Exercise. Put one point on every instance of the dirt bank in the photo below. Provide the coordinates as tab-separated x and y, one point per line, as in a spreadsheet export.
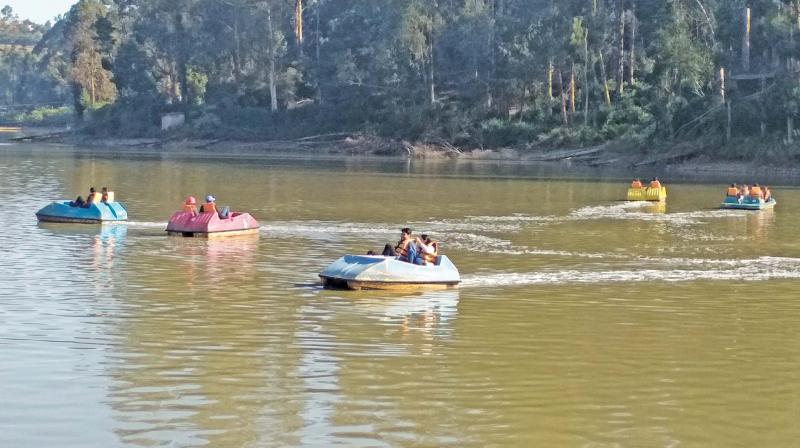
684	160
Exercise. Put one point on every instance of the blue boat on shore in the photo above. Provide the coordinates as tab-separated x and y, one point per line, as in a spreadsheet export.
96	212
748	203
388	273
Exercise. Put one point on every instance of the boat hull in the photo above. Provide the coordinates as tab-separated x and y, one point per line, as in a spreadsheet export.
210	225
387	273
731	203
378	286
96	213
647	194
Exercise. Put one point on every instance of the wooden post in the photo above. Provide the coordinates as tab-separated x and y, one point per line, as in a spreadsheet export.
746	43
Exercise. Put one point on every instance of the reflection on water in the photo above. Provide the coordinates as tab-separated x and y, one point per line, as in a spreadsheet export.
583	320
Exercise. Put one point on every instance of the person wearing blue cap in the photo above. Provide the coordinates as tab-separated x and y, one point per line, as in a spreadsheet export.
211	207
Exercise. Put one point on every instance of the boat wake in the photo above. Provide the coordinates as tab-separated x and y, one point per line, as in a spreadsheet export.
647	211
146	225
761	269
449	233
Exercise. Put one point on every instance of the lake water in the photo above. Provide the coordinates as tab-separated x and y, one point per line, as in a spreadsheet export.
581	321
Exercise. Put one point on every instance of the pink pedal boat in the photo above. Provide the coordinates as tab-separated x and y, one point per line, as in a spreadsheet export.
210	225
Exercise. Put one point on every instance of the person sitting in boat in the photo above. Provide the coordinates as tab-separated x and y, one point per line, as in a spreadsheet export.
91	198
406	249
388	251
637	183
399	249
429	249
756	192
211	207
744	191
190	205
655	183
733	191
104	195
767	194
78	202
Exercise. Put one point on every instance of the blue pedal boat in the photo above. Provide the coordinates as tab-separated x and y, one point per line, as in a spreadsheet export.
748	203
97	212
387	273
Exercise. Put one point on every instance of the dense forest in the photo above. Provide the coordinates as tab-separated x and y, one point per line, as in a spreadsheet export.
480	73
22	86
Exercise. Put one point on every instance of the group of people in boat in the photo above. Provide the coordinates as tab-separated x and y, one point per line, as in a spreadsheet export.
637	183
756	191
80	203
420	250
210	206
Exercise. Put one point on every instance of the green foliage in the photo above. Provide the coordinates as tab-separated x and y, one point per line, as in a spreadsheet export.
16	32
501	133
198	82
40	116
470	72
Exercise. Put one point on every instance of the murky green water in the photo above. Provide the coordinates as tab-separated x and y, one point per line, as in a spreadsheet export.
582	321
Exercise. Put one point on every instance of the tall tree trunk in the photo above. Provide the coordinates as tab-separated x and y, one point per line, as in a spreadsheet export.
746	42
318	66
92	81
621	71
491	71
632	52
762	108
273	90
606	90
572	90
586	64
183	59
432	79
562	92
728	124
237	53
298	25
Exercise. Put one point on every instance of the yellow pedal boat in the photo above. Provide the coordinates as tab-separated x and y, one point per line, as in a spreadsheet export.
647	194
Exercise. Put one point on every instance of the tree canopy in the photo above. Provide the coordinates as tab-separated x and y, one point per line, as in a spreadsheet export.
471	72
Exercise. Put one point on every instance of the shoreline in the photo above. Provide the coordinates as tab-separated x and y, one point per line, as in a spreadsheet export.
600	158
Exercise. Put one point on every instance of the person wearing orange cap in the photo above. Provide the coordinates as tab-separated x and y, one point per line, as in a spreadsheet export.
190	206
